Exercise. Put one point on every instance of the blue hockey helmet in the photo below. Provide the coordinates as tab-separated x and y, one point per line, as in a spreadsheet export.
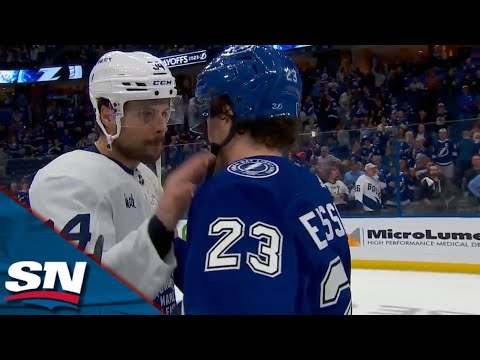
261	82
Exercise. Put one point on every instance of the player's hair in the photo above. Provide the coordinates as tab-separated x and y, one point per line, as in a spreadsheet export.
276	133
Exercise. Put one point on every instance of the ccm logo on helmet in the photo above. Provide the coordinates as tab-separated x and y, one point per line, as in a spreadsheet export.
29	285
163	82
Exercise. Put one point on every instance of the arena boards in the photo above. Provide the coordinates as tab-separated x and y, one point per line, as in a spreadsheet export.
432	244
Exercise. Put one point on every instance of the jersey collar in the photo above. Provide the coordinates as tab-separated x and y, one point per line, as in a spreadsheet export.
94	149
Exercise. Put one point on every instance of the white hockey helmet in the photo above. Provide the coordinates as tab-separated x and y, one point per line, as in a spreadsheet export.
125	76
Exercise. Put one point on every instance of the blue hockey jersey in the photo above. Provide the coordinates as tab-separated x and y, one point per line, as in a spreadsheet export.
444	152
404	186
264	237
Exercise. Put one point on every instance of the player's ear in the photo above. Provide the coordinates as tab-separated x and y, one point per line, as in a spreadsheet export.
228	112
107	119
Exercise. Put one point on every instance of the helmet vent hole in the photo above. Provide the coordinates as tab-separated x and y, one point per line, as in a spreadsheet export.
171	92
141	84
156	93
126	83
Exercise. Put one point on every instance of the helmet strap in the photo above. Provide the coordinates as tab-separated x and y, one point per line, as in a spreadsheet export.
109	142
109	137
215	148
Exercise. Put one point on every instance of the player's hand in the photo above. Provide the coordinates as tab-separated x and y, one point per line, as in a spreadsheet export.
180	186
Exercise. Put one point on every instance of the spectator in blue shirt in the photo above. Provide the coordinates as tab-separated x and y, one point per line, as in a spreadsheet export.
466	149
474	186
351	176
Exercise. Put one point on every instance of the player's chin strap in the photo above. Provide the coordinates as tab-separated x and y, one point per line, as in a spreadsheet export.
109	137
215	148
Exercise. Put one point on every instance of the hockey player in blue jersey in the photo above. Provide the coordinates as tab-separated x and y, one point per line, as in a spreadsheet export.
263	235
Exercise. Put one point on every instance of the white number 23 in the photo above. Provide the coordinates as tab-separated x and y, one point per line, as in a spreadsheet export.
265	262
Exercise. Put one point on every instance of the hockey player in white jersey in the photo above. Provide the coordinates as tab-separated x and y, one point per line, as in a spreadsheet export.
105	198
368	189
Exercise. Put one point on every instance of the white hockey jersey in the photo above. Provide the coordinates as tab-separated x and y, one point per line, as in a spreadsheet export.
368	191
88	195
338	188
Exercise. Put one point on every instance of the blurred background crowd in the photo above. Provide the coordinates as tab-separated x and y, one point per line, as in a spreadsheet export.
407	116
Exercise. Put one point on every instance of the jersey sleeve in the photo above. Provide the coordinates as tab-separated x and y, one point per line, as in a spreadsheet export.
181	248
79	213
241	257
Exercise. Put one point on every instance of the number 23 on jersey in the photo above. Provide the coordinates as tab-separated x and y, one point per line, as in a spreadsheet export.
267	261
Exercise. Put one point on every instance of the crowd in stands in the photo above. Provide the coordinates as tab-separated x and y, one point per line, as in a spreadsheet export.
417	133
414	131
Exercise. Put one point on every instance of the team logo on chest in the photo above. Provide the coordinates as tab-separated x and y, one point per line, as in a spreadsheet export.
253	168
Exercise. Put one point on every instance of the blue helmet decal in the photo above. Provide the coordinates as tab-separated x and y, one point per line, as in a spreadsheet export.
261	82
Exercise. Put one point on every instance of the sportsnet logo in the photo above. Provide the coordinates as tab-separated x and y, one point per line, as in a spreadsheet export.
28	286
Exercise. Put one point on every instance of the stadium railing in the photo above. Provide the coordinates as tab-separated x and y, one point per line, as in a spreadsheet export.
402	198
455	199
